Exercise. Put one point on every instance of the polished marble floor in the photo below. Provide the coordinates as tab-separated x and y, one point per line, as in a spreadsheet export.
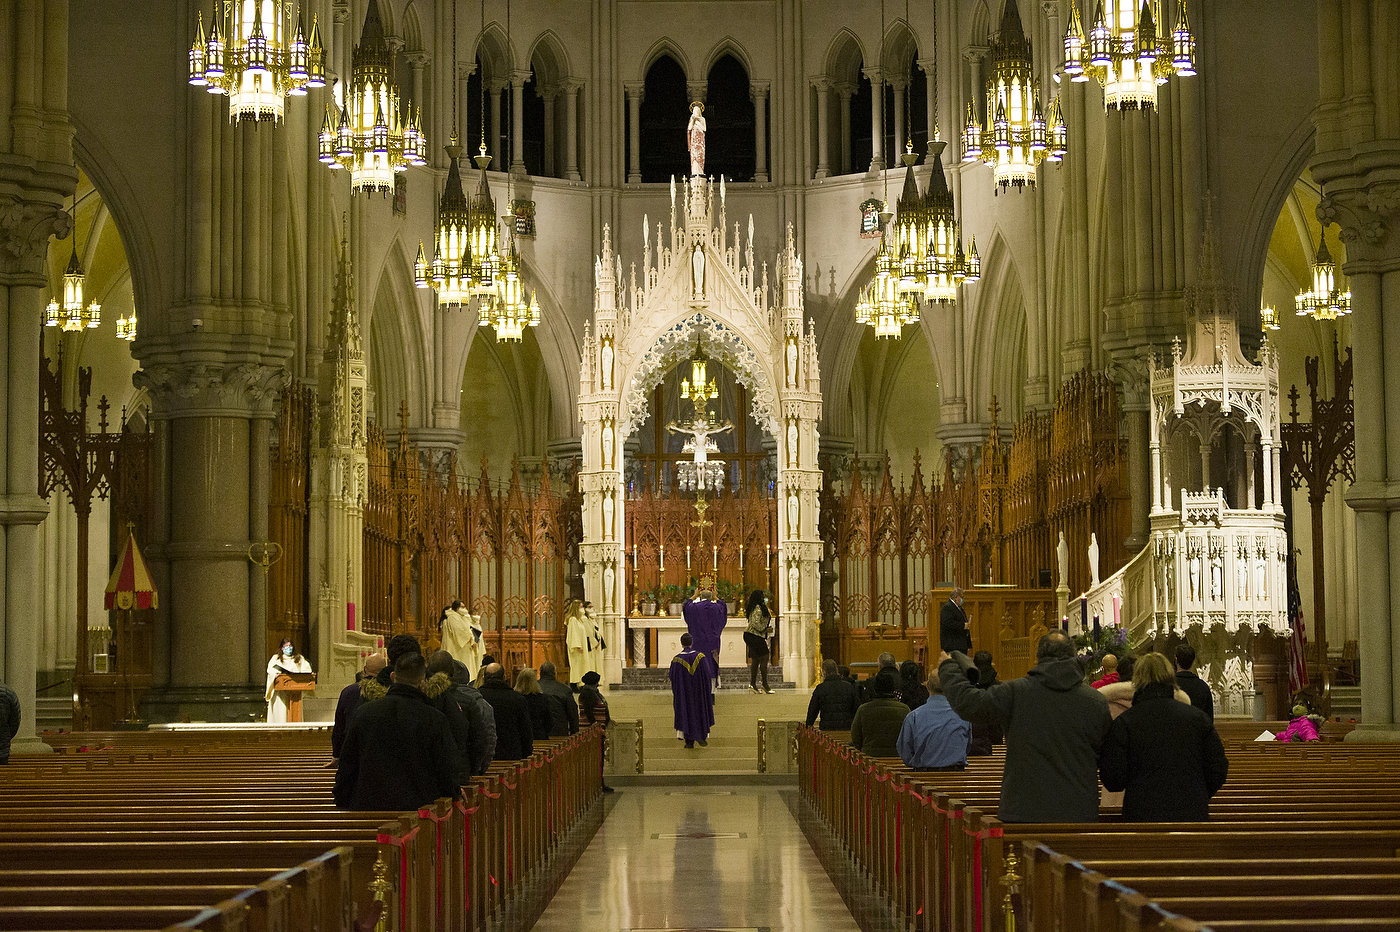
712	858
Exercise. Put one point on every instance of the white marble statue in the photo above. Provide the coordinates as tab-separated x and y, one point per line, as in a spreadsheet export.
695	138
792	362
607	444
794	511
606	365
607	516
697	271
700	430
792	441
1062	559
1093	561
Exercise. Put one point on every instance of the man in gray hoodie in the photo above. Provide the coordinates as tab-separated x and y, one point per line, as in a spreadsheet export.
1054	725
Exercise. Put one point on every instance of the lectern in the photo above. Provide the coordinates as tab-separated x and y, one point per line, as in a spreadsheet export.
292	685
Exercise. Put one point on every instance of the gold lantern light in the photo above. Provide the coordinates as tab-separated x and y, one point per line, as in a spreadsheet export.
256	53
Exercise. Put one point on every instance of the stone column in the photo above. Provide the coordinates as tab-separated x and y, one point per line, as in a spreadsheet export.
823	88
634	91
549	95
930	66
517	121
901	132
877	119
758	90
217	415
846	92
1205	464
571	91
418	60
494	89
974	55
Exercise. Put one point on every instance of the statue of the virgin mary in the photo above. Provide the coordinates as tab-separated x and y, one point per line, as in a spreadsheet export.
695	139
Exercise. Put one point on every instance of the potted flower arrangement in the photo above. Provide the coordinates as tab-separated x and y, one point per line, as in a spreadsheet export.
648	598
729	593
674	596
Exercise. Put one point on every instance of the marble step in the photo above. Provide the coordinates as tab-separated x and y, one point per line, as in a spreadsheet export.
731	679
54	713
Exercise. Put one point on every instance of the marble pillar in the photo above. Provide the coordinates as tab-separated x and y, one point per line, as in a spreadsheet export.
571	92
877	119
634	91
845	92
517	121
823	89
759	92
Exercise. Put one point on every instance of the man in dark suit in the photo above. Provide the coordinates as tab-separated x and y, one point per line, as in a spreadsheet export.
953	626
1191	684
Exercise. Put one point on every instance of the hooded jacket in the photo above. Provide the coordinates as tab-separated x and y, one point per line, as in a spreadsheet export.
479	716
514	732
563	708
438	688
1120	696
398	754
1054	726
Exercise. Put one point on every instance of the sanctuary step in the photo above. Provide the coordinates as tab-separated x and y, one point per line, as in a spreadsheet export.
1346	703
733	742
731	679
54	714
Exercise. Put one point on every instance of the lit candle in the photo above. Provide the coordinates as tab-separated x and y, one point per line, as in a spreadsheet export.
1064	623
634	556
741	557
1097	629
1084	612
1117	610
716	558
687	556
768	557
661	554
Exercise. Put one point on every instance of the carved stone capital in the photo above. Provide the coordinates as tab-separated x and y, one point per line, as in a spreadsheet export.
758	89
635	90
1134	381
25	228
206	389
1354	216
418	58
821	82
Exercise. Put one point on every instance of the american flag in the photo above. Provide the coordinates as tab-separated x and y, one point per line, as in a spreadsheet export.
1297	644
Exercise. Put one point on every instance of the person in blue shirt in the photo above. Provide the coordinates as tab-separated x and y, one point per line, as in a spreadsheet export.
933	736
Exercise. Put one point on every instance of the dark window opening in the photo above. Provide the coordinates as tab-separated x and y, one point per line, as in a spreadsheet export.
664	114
729	122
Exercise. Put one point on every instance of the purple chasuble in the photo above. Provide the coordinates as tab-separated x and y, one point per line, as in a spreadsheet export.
692	695
705	620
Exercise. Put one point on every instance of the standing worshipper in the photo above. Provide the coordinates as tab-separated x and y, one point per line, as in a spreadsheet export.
756	637
527	683
691	695
286	660
563	712
705	620
1190	683
515	733
351	698
461	636
593	710
576	640
595	645
9	721
953	626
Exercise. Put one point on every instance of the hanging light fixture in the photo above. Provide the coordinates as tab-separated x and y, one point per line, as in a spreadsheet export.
1268	317
506	309
372	136
66	309
252	55
1019	136
126	327
1126	53
1326	300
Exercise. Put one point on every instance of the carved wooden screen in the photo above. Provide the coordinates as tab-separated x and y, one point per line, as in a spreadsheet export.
380	560
853	549
288	507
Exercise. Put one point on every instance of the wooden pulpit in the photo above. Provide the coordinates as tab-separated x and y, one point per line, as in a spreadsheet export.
292	685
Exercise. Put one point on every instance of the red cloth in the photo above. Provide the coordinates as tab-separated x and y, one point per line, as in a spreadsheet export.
1105	680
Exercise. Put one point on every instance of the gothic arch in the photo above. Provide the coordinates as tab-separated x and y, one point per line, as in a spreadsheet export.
729	46
395	328
664	47
1276	184
844	57
550	60
494	50
998	350
979	30
412	29
898	48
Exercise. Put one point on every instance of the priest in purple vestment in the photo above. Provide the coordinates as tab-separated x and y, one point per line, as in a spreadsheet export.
691	694
705	620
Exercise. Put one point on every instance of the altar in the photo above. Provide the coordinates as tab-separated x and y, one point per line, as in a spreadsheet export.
669	628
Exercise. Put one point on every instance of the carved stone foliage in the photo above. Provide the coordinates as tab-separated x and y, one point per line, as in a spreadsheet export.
25	229
241	388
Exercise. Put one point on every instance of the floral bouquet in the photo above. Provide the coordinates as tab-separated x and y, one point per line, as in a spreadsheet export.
1103	639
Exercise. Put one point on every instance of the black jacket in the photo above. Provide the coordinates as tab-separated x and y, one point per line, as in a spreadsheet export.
1055	725
438	688
480	718
539	705
1166	757
834	699
563	709
913	694
398	755
514	732
1196	688
983	734
9	720
875	729
952	631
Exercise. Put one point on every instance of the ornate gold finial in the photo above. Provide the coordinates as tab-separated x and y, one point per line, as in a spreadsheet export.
381	890
1012	881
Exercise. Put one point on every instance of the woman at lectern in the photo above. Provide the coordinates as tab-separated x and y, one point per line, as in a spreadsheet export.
286	660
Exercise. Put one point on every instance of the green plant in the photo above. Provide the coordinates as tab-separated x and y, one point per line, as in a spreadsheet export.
672	593
727	591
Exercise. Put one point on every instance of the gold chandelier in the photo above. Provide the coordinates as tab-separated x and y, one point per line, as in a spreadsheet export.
1127	54
126	327
1326	300
1268	317
928	237
506	308
248	57
1019	137
450	272
372	137
881	305
67	308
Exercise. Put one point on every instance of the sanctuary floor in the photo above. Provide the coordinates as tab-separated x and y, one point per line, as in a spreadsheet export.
714	858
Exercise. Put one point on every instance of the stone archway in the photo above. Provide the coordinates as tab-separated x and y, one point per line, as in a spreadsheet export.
699	286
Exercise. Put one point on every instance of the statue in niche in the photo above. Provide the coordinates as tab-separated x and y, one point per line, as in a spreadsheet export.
607	515
793	513
1194	565
1242	578
1217	577
695	139
1093	561
1259	591
792	442
607	444
697	270
1062	559
607	364
792	362
608	579
793	579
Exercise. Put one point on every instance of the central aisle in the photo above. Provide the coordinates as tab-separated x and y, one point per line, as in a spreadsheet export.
717	858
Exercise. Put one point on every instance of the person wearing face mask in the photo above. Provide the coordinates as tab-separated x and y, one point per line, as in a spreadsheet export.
594	630
286	660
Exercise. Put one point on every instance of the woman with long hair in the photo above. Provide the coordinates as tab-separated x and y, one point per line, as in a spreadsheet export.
756	637
527	683
576	640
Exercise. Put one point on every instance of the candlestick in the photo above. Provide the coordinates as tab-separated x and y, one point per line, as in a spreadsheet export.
1117	610
687	556
1083	612
716	558
741	558
661	555
768	557
1097	629
1064	623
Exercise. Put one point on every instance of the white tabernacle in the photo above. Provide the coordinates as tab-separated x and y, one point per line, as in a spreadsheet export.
732	652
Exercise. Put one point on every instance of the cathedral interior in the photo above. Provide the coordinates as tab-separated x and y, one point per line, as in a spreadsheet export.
428	320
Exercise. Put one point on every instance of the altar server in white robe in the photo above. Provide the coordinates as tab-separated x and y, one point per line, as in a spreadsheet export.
286	660
577	629
461	636
595	645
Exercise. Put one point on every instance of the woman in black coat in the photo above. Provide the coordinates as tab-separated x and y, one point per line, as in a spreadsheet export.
1164	755
527	683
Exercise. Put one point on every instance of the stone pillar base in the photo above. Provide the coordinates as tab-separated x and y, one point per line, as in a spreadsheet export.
1374	734
233	703
28	744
